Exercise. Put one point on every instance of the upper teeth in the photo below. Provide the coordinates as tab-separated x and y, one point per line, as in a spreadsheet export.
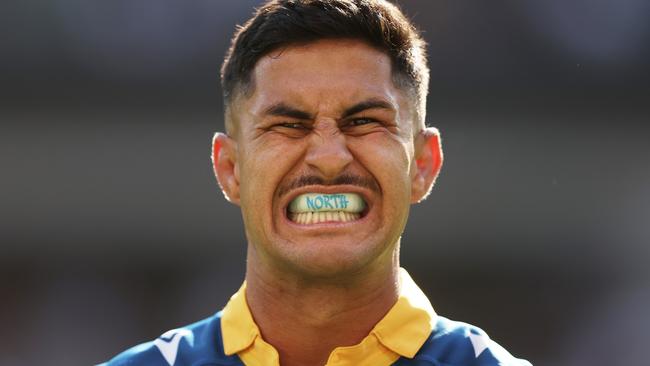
321	202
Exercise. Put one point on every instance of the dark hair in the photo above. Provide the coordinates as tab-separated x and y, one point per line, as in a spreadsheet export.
280	23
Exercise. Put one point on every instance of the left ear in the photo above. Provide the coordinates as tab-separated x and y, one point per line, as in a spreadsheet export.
428	161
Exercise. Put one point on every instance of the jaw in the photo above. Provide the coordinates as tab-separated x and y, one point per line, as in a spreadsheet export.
330	249
324	250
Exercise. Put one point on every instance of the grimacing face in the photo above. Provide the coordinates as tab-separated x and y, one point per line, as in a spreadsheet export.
325	120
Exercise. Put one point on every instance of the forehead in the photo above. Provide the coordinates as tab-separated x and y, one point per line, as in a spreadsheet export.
324	76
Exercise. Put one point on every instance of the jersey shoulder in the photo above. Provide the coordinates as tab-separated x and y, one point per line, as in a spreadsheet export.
198	344
454	343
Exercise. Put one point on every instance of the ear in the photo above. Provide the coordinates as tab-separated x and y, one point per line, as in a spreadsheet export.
428	161
224	162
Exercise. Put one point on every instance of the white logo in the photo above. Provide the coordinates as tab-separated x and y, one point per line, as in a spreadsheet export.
168	343
479	342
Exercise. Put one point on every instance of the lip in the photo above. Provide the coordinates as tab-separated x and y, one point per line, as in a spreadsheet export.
364	193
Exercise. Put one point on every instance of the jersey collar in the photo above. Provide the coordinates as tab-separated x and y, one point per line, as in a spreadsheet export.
401	332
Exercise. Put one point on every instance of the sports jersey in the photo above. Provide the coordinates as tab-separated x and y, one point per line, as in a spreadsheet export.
410	334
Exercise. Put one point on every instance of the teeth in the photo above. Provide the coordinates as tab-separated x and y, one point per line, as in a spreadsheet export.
306	218
322	202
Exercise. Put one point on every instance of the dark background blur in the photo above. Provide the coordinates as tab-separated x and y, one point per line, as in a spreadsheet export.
113	230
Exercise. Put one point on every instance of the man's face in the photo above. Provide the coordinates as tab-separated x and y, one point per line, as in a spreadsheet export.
324	123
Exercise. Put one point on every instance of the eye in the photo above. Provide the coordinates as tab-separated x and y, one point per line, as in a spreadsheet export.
361	121
290	129
359	126
292	125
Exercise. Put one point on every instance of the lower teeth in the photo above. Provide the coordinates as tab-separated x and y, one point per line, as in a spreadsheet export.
316	217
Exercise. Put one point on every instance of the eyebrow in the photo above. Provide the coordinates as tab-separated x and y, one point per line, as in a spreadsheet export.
368	104
284	110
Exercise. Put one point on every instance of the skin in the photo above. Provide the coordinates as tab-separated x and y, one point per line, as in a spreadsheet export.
323	110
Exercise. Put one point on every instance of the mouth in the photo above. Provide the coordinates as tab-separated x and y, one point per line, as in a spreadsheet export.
318	207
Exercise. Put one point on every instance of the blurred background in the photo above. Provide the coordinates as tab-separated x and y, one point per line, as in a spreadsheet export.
113	230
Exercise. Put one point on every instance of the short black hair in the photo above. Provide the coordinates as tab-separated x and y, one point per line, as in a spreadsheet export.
280	23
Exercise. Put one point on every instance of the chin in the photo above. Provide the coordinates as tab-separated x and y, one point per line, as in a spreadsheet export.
330	259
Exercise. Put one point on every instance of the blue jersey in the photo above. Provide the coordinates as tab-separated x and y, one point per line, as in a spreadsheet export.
450	343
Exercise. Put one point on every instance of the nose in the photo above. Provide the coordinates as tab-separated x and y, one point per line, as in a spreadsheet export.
328	152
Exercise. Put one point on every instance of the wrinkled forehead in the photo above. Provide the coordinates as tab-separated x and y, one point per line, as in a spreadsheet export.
325	76
326	73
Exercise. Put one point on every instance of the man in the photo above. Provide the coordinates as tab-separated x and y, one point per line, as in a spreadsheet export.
325	151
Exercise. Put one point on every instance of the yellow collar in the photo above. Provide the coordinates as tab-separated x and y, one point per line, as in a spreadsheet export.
401	332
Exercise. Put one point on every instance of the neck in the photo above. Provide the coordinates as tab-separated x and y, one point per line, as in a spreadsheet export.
318	315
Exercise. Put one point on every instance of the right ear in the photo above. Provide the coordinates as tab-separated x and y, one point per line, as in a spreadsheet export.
224	163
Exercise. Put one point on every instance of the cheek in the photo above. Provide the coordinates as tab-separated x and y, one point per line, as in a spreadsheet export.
392	154
389	161
265	167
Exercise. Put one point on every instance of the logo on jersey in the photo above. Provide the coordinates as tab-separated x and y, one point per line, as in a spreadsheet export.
480	342
168	343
